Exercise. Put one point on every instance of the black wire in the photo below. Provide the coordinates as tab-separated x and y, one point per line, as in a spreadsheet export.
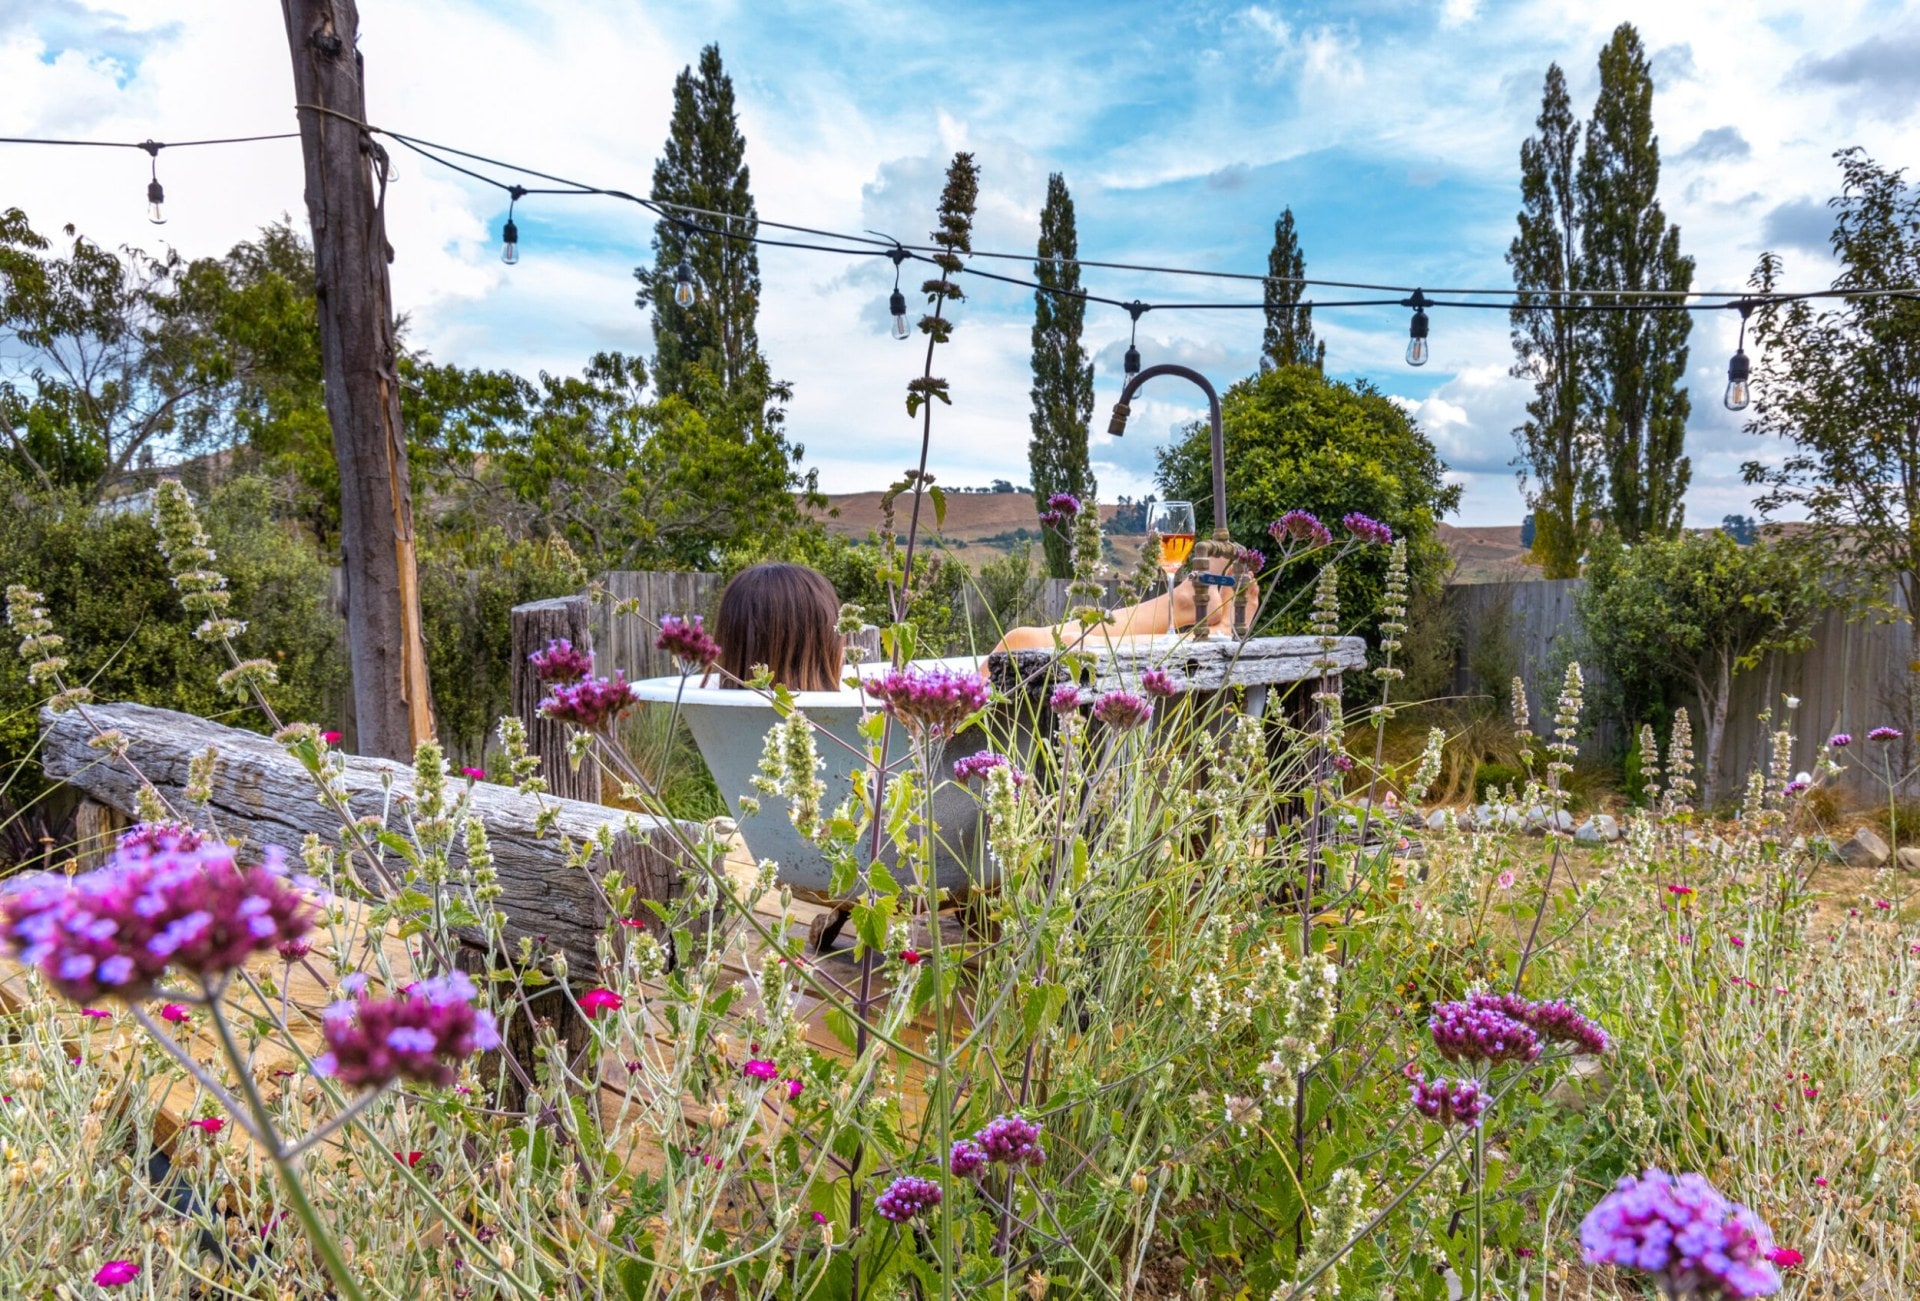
142	144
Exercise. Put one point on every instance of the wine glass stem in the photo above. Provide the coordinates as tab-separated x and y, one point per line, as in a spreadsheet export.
1173	614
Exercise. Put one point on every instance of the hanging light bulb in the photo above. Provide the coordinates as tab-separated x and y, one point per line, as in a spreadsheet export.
1131	363
683	288
897	304
1739	369
156	193
510	236
1417	330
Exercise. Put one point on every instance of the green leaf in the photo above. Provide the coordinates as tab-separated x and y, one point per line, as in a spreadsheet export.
843	1027
1041	1008
938	496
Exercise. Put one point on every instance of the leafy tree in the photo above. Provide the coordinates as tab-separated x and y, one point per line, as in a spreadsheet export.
1672	618
1560	462
704	166
1839	381
1289	337
1296	439
1632	363
1062	375
1529	531
1743	529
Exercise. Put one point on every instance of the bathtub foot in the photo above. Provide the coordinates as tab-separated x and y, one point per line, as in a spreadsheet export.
825	929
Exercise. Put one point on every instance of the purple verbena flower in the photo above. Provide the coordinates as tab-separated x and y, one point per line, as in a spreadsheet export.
419	1034
979	765
907	1197
590	702
1064	502
1300	526
1065	699
1464	1032
1557	1020
1884	734
1051	519
1451	1102
687	641
1160	683
1255	560
159	837
967	1158
1123	710
933	701
1013	1140
109	933
561	661
1683	1231
1367	529
1840	740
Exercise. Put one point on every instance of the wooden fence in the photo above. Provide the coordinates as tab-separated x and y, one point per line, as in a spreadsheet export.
1855	677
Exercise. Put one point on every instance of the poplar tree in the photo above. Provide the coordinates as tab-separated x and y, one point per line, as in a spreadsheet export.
704	166
1062	375
1289	338
1559	461
1632	362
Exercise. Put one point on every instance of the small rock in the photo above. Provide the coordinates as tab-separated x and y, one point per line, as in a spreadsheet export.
1908	859
1864	849
1601	828
1437	820
1540	821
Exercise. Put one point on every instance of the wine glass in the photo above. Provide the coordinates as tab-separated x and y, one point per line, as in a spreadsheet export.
1173	522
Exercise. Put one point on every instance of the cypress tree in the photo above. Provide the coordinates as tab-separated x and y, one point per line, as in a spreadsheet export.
1559	467
1633	362
1062	376
1289	338
704	166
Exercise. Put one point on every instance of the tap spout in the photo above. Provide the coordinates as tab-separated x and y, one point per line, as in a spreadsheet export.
1122	409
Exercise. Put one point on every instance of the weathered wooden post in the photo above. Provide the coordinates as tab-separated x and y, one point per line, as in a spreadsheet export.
534	625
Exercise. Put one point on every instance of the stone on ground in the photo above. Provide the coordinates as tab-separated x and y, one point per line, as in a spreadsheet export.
1864	849
1601	828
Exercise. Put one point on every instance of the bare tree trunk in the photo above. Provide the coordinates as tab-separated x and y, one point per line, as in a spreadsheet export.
1714	709
391	706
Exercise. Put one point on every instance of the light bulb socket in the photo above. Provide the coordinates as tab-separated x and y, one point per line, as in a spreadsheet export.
1739	369
1418	328
155	192
1131	364
511	234
897	304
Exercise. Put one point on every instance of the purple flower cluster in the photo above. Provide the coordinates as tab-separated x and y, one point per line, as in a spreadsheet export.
1159	682
1300	526
1451	1102
1466	1032
1051	519
1556	1020
1840	740
159	837
589	702
1683	1231
906	1197
1255	560
1123	710
1065	699
687	641
1884	734
419	1035
1367	529
933	701
111	932
967	1158
1065	503
1013	1140
561	661
977	766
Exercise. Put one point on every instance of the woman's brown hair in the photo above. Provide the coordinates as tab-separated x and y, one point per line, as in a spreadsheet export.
782	616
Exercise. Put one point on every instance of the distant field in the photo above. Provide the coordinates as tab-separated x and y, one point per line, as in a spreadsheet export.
982	525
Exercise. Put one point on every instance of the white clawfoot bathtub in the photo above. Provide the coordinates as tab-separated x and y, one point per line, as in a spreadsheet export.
730	727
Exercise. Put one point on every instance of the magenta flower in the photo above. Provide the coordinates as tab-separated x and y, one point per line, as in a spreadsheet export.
1784	1257
966	1158
174	1013
910	956
759	1068
1013	1140
1557	1020
1160	683
474	774
1064	502
420	1034
794	1089
687	641
1840	740
596	1001
1471	1033
1065	699
979	765
331	738
1451	1102
111	932
208	1125
1877	734
590	702
1364	528
1683	1232
561	662
116	1273
934	702
97	1013
1300	526
907	1197
1123	710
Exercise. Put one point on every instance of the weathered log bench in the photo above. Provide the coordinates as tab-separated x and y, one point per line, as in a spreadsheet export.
263	794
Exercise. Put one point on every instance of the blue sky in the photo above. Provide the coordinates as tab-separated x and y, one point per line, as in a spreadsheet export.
1392	130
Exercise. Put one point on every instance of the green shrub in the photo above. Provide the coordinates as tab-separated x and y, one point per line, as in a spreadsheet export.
1490	779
